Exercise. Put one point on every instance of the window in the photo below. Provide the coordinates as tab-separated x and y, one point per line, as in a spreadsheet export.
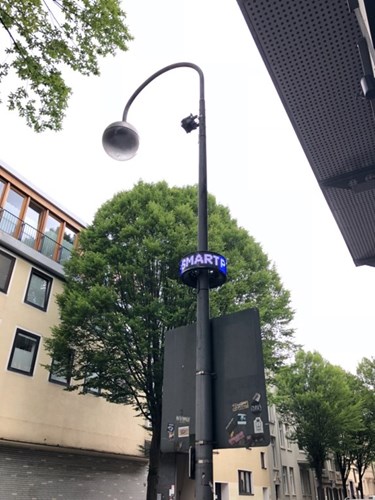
51	233
57	377
271	414
12	210
24	351
282	435
69	237
31	224
291	481
287	436
274	452
263	460
354	475
38	290
2	184
284	473
6	269
305	481
245	486
91	386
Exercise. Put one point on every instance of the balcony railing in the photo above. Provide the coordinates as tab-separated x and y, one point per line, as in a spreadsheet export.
33	238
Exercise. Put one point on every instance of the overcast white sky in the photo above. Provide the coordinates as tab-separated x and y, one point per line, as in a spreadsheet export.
256	165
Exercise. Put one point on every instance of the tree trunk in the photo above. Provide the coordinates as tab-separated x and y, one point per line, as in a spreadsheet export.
154	463
361	468
319	480
344	488
360	486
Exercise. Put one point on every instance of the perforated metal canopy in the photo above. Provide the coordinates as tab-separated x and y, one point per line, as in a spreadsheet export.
310	50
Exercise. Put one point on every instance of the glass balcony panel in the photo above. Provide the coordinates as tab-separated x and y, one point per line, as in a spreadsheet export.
65	254
28	235
8	222
48	246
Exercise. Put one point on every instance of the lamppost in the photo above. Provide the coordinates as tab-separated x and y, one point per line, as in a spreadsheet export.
202	270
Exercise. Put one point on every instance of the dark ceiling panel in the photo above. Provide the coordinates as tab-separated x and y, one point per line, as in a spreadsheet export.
310	50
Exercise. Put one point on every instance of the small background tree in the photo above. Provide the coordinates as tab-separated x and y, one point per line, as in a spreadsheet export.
314	397
123	293
364	446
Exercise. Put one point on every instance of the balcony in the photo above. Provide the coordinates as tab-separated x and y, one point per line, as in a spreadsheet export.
30	236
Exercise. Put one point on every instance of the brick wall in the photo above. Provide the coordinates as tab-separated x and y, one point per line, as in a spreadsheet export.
38	474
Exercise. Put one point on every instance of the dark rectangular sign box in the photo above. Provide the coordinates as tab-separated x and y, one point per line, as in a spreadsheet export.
240	414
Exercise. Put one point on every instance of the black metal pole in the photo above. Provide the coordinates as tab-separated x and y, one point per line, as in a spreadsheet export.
203	401
203	398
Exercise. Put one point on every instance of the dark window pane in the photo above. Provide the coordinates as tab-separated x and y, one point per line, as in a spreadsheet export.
90	386
38	290
12	209
31	224
51	233
14	203
24	351
6	268
55	376
67	244
244	482
2	185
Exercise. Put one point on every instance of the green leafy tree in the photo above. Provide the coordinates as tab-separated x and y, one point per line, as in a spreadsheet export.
363	450
314	397
347	445
123	293
46	37
366	372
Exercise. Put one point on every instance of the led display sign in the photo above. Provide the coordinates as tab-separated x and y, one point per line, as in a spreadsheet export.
215	263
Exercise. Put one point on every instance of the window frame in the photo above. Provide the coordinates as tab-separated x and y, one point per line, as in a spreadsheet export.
48	279
245	482
305	481
274	452
263	460
285	479
287	437
34	337
52	374
292	481
12	261
282	435
87	389
8	208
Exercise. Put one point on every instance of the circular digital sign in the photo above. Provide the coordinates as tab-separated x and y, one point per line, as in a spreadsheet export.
191	264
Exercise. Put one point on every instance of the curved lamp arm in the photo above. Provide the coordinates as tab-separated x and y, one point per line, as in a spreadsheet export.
160	72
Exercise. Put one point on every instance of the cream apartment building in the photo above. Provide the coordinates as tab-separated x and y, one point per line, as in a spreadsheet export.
36	237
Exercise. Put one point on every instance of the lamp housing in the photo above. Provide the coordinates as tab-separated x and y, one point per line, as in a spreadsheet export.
121	141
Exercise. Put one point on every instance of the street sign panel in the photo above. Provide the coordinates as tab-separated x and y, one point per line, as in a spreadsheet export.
240	416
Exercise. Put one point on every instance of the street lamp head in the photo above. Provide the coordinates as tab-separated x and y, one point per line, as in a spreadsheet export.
120	141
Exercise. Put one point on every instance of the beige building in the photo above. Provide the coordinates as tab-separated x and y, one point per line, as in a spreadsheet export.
242	472
368	482
36	237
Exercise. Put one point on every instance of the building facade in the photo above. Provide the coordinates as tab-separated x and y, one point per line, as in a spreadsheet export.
281	471
242	472
36	237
